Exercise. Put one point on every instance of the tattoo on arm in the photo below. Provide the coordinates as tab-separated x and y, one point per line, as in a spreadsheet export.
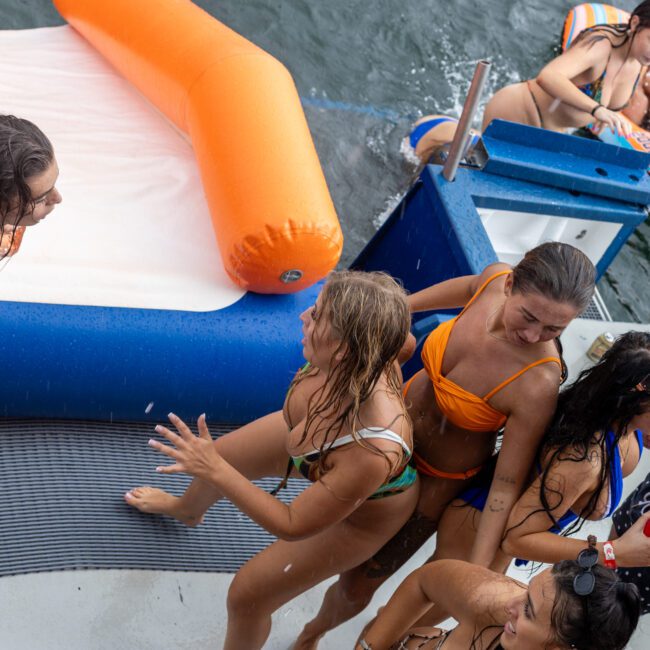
498	505
504	478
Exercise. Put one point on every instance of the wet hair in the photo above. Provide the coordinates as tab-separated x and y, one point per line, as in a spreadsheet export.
643	12
25	152
369	315
604	397
603	620
556	271
618	34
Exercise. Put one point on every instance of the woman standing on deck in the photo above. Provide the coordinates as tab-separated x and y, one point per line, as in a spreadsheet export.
344	427
28	173
494	366
596	439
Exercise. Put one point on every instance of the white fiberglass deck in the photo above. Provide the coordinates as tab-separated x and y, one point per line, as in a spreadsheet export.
134	228
514	233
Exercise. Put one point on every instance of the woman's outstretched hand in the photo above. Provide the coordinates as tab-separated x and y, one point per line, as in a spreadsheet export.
611	119
194	455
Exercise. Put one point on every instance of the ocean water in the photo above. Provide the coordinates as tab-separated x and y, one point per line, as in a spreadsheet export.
367	68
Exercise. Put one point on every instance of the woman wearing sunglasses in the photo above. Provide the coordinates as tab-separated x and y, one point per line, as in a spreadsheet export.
595	439
575	604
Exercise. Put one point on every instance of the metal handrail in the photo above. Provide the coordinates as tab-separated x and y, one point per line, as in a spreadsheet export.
461	137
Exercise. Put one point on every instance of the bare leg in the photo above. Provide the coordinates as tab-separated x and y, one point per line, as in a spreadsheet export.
257	450
355	589
346	598
286	569
512	103
438	136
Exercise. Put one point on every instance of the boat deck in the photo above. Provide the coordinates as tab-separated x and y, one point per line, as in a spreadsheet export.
82	570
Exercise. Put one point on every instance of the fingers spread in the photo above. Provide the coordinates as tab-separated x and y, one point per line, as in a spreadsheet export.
204	432
164	449
184	431
176	468
174	438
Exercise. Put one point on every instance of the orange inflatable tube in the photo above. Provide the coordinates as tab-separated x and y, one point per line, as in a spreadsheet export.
272	213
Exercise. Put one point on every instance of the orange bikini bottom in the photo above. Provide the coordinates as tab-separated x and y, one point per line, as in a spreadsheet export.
425	469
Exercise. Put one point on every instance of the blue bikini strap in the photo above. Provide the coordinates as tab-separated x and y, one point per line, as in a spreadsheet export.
639	438
616	479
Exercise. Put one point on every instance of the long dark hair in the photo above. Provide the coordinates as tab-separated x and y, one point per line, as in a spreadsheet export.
603	398
618	34
25	152
603	620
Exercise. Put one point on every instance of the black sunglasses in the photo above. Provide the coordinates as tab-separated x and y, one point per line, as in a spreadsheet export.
585	580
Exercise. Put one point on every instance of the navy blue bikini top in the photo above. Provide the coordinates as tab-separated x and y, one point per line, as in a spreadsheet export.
615	482
615	485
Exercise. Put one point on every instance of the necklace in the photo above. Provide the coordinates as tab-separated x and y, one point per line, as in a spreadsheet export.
487	326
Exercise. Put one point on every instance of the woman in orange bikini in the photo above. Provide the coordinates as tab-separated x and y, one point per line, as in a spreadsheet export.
495	366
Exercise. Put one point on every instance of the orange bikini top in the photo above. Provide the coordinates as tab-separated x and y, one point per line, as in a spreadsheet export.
462	408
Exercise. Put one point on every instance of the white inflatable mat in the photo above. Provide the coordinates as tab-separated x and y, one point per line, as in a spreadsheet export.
134	228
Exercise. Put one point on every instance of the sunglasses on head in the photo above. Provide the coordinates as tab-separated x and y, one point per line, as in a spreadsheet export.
585	580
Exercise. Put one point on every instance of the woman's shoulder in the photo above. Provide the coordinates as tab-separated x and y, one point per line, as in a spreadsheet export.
307	380
541	375
490	279
385	409
575	460
598	38
492	270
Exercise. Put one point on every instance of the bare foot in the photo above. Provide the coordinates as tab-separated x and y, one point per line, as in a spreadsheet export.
159	502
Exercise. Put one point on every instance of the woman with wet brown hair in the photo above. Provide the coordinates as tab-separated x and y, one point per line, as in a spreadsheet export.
344	427
596	79
496	366
591	82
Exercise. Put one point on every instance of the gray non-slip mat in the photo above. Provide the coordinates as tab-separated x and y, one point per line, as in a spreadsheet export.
62	486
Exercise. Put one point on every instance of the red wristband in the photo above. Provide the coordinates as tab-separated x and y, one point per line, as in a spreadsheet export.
610	557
